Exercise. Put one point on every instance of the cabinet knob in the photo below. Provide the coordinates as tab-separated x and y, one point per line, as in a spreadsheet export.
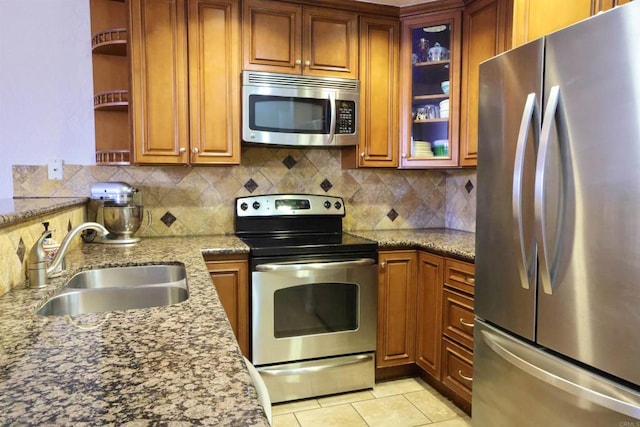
404	155
298	61
195	150
307	63
383	265
182	150
362	154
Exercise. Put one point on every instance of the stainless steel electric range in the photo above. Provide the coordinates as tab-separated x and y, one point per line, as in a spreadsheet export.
313	295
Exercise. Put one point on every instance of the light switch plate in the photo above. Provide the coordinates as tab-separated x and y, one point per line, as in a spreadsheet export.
55	169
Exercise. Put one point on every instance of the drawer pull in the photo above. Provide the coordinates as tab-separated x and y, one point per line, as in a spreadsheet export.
468	325
471	280
463	376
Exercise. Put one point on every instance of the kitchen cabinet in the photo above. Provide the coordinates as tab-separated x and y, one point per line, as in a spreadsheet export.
379	90
291	38
457	330
396	308
429	313
425	320
429	112
535	18
230	275
485	33
109	29
185	87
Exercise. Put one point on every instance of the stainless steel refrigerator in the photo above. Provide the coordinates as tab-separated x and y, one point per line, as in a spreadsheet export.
557	332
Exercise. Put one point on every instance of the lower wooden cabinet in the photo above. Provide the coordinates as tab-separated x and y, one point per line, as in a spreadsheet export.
230	275
425	321
396	308
429	312
457	369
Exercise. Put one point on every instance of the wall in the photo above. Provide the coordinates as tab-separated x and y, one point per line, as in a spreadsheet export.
46	88
200	200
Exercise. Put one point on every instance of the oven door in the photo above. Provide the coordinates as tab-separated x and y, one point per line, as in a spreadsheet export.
313	309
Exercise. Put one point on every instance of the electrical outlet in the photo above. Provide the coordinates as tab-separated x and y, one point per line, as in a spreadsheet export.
55	169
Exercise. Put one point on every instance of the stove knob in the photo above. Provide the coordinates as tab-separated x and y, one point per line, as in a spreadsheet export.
327	204
244	206
337	205
256	205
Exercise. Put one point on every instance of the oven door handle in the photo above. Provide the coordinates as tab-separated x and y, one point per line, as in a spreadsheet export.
295	265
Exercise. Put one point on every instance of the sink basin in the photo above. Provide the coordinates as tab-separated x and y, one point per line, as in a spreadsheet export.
119	288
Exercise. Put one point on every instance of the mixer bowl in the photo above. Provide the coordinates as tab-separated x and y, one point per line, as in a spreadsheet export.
123	221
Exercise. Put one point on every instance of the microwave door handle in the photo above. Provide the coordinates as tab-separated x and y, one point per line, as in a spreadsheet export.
333	113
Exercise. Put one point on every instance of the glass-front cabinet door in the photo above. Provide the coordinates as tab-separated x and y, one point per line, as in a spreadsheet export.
430	90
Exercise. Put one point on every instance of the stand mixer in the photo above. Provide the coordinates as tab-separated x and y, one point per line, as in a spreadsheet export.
112	205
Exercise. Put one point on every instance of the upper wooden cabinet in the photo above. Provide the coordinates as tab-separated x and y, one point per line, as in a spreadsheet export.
485	33
185	85
379	91
289	38
429	112
535	18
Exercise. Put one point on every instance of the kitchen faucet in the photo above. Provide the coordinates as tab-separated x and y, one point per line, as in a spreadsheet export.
38	273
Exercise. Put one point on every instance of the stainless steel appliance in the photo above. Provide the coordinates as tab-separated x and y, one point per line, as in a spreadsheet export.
313	295
557	337
286	109
113	205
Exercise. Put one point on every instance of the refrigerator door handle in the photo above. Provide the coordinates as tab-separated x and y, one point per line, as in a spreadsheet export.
540	206
530	117
600	393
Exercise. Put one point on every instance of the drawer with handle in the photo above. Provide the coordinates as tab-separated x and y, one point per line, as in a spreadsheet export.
459	275
457	369
457	317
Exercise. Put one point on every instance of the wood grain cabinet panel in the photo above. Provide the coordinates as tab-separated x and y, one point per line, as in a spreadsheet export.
457	317
459	275
429	312
231	279
535	18
290	38
457	369
396	308
185	81
485	33
214	82
379	86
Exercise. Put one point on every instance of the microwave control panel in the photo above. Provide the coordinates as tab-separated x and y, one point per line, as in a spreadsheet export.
346	119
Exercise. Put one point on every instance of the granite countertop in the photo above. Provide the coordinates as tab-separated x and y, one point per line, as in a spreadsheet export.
13	211
177	364
444	241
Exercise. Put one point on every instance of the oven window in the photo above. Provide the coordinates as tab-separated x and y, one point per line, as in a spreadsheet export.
289	114
315	309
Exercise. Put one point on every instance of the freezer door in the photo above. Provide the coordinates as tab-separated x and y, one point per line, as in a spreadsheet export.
515	384
588	194
508	131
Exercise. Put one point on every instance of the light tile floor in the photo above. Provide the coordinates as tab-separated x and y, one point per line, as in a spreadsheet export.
399	403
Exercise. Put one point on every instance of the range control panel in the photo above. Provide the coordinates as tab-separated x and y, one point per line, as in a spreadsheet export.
289	204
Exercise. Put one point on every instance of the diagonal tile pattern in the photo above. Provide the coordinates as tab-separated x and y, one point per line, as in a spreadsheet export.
201	198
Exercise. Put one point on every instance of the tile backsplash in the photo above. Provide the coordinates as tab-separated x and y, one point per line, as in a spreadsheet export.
17	240
199	200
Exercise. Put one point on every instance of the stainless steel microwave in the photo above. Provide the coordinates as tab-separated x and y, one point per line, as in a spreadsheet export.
285	109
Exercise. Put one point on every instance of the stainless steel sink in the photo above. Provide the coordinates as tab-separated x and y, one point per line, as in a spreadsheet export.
127	277
119	288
